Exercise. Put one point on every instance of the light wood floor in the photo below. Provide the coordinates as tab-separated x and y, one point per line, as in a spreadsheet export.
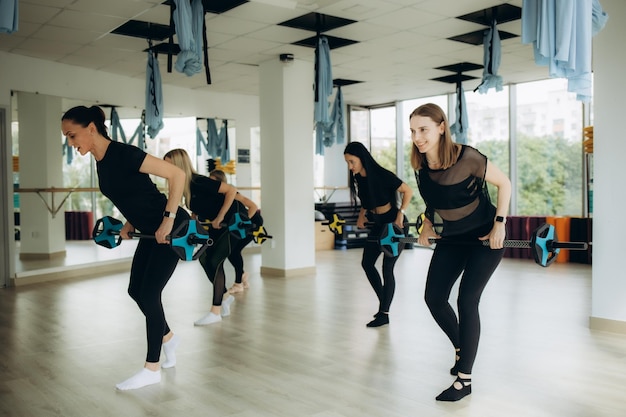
299	347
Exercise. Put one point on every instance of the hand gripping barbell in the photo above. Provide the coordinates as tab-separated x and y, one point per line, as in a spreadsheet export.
106	232
543	243
240	226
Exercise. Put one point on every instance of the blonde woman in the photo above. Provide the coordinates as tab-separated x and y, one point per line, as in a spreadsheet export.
212	200
235	258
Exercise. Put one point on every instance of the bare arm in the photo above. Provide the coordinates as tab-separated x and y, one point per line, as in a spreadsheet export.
496	177
250	205
229	196
407	193
361	220
176	183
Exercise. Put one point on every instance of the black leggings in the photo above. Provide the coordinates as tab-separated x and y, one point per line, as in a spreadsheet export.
212	261
477	263
385	287
235	257
153	265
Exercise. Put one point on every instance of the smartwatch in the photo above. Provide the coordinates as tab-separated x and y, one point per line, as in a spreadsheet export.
169	214
501	219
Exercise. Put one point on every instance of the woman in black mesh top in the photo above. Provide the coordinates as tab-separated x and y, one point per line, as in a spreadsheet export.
377	190
452	180
124	178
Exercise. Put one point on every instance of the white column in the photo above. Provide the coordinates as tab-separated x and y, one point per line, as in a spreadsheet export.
608	306
286	109
7	226
41	159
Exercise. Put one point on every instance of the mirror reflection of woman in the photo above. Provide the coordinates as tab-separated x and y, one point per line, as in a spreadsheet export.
209	200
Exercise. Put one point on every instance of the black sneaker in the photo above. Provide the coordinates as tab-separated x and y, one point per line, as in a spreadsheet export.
380	320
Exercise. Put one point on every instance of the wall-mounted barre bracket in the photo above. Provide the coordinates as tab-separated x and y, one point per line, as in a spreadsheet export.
324	198
51	207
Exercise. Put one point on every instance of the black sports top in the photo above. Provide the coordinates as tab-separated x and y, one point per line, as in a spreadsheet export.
377	189
206	201
458	194
131	191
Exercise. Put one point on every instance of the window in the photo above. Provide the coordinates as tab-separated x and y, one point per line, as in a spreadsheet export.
549	150
545	138
488	117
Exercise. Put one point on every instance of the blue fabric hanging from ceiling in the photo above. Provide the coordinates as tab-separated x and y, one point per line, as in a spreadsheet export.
323	80
116	126
338	117
323	90
68	152
561	32
9	16
154	96
491	60
225	148
598	17
212	138
116	129
460	126
188	19
334	131
201	143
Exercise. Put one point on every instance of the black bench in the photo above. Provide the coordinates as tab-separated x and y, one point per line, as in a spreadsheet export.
351	236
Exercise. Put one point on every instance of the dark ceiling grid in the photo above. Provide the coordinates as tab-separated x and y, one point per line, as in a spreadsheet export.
158	32
476	38
320	23
316	22
341	82
144	30
216	6
333	42
502	13
458	70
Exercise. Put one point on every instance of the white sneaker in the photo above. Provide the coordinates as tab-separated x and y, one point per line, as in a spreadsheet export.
210	318
225	311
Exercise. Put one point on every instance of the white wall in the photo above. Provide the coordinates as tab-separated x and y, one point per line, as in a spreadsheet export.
609	218
27	74
287	168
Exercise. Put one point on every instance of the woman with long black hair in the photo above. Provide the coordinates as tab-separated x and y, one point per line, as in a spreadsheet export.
377	189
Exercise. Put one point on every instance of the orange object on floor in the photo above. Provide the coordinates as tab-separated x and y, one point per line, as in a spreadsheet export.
561	228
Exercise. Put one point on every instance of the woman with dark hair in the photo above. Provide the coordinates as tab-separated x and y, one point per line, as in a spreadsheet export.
452	180
124	177
211	200
377	190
